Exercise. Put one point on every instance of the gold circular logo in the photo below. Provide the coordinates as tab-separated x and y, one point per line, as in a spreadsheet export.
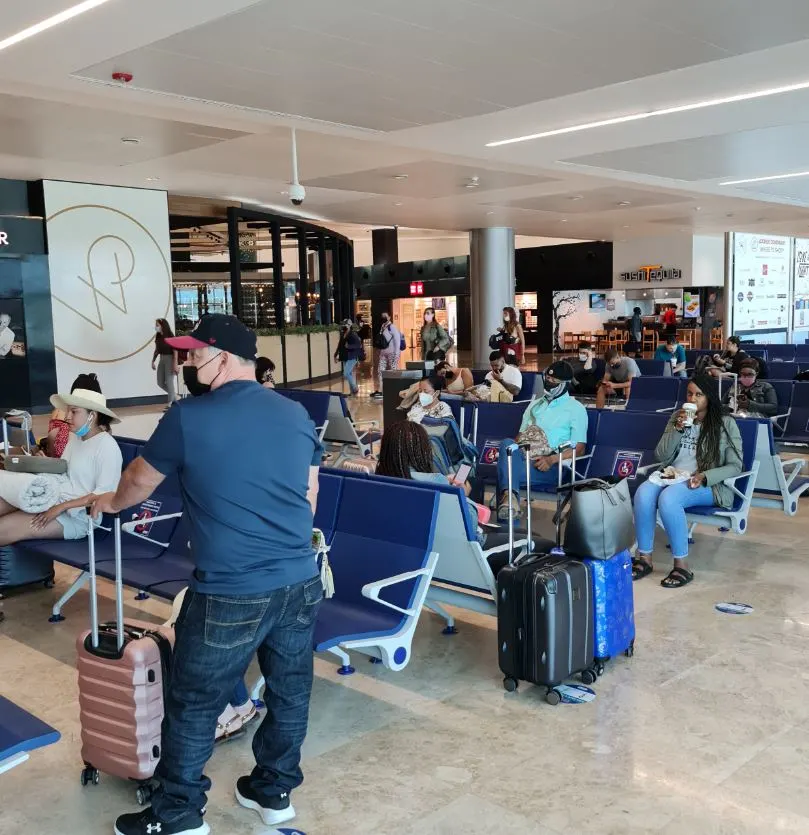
110	280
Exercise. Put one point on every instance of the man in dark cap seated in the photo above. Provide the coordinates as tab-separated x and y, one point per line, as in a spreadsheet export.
549	421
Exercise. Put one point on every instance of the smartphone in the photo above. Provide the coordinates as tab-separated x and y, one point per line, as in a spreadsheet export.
463	473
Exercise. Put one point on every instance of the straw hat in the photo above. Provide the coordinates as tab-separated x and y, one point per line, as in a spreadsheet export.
84	399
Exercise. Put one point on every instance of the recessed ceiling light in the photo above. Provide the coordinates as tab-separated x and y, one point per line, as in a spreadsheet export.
697	208
625	227
663	111
489	213
766	179
563	220
472	182
50	22
397	204
152	179
624	203
400	176
130	140
576	197
284	193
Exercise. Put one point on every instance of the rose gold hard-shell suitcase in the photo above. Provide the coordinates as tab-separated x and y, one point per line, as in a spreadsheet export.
123	672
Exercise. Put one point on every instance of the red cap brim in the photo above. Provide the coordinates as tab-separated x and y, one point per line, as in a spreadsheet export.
186	343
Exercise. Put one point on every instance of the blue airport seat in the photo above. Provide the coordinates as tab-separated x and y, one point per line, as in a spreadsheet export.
743	486
783	370
781	353
492	423
624	443
20	733
654	368
783	391
802	353
382	565
343	430
330	486
316	404
653	394
797	425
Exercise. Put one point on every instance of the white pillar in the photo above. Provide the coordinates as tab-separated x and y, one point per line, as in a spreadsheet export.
491	281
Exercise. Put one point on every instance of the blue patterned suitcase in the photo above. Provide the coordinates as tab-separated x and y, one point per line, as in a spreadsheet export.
614	607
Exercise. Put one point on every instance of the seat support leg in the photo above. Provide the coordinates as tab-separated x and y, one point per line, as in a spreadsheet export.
78	583
346	669
442	612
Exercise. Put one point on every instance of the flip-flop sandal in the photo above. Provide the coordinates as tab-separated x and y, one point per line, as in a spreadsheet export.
677	578
640	569
235	725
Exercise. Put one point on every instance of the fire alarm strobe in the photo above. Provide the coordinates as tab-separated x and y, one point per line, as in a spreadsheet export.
123	77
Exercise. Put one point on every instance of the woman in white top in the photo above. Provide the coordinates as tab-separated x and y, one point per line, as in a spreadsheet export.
428	404
94	467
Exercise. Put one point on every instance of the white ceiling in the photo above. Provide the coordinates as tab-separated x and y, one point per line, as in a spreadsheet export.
379	88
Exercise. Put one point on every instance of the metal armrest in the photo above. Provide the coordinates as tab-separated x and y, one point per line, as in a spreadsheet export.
667	409
372	423
129	527
794	465
731	482
371	590
785	418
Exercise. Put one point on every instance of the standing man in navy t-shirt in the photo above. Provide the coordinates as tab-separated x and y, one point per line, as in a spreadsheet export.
247	461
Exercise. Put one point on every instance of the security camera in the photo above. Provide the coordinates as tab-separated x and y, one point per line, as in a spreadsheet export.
297	194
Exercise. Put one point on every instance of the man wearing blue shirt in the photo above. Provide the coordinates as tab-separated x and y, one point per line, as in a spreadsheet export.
672	352
247	461
557	418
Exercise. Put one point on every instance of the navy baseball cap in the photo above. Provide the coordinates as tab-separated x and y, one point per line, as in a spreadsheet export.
217	330
560	370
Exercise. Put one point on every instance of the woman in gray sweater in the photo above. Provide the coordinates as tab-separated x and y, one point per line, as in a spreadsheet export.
710	451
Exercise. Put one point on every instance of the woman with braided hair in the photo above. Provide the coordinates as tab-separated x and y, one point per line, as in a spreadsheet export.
406	453
708	448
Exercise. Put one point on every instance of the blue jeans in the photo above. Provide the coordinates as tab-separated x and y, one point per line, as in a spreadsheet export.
538	478
216	638
240	694
671	502
348	374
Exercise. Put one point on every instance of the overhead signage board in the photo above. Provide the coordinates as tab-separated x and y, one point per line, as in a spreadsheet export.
761	275
800	306
653	272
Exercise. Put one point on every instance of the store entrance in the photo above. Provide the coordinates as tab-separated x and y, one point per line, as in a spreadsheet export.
408	316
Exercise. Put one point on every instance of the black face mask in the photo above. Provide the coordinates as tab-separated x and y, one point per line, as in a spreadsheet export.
195	388
191	380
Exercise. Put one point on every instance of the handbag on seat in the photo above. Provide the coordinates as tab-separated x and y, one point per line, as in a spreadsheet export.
600	523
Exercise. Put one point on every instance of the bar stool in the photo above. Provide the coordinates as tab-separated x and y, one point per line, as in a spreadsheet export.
649	342
716	338
569	342
600	338
616	338
686	337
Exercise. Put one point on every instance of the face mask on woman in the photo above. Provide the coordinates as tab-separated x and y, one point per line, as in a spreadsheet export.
425	399
83	430
158	329
747	380
428	317
506	318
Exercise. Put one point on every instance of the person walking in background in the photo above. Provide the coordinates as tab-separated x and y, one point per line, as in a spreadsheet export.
164	360
349	352
433	337
635	333
255	587
389	345
516	338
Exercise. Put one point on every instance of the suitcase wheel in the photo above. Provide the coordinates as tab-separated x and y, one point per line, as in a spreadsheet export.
600	669
89	775
589	676
143	794
510	684
630	650
553	697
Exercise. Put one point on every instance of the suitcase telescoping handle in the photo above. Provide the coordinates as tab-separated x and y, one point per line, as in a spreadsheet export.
119	589
558	550
510	450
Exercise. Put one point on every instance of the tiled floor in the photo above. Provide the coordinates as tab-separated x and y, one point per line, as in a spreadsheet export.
705	730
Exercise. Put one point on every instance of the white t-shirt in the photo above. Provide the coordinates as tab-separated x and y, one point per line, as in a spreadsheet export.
510	374
93	466
687	456
6	341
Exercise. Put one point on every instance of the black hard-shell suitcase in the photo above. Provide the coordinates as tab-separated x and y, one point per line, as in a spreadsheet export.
544	618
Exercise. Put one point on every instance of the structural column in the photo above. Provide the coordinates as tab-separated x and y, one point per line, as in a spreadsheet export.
491	279
385	244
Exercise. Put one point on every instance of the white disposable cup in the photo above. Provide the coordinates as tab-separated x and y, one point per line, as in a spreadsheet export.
690	410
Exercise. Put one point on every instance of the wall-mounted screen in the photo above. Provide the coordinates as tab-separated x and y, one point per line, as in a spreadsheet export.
598	301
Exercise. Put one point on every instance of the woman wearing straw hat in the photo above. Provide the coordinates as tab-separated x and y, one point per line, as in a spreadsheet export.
94	467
